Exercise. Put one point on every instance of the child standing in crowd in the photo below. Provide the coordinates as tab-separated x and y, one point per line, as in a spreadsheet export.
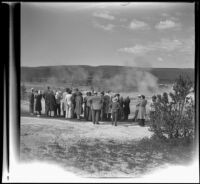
115	107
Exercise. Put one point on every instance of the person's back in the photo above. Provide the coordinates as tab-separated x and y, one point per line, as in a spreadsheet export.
143	103
78	102
52	101
68	98
96	102
96	105
142	111
107	103
115	106
126	108
88	100
47	96
58	97
64	94
31	98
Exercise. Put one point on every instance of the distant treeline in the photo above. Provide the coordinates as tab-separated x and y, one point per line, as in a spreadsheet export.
84	74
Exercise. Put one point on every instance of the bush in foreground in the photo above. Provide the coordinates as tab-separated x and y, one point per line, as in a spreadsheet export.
174	116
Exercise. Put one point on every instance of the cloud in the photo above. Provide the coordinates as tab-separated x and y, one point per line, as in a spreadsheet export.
160	59
137	49
107	27
138	25
164	45
167	24
104	15
167	45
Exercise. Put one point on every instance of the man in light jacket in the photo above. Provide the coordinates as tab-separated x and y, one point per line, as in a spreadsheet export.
142	111
96	105
137	108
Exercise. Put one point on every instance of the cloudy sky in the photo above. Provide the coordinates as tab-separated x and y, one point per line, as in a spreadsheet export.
136	34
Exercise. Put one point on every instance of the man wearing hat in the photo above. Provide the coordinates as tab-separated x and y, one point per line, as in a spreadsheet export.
96	105
88	112
115	106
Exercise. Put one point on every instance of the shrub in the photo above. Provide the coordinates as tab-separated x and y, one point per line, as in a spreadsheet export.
174	116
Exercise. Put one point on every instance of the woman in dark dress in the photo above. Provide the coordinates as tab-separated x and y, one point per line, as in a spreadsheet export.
38	103
52	103
126	108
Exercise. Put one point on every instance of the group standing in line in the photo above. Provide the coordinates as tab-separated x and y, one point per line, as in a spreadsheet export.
95	106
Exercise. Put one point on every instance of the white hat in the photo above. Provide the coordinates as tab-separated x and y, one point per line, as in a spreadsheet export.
114	99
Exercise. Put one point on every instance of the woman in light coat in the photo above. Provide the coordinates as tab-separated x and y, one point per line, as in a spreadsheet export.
142	111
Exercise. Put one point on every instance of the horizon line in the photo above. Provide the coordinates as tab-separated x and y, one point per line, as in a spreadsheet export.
106	65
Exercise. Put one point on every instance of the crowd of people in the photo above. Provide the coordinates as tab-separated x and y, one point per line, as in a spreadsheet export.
92	106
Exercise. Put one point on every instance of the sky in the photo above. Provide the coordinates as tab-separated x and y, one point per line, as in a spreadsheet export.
158	35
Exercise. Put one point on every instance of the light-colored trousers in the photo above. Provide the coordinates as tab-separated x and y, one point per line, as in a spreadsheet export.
69	109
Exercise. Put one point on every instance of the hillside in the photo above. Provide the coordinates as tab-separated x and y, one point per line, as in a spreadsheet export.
85	74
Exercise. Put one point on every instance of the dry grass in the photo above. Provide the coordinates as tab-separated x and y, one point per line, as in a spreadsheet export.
97	151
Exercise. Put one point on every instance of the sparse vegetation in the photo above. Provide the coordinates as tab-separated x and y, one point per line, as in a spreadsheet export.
174	117
104	157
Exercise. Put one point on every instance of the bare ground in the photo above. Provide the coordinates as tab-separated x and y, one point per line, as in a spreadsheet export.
96	150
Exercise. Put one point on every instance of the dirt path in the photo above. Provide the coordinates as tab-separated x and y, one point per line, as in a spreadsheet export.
79	146
124	131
